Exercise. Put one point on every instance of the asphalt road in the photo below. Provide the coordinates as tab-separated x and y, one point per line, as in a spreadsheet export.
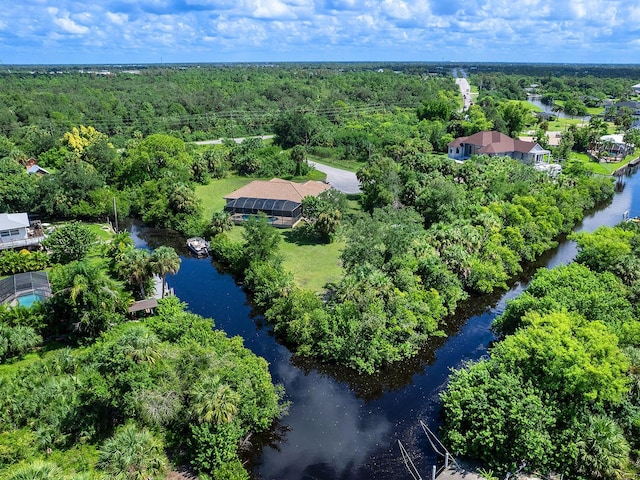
465	91
339	179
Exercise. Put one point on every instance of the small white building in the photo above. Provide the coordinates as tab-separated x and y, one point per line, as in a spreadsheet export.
16	231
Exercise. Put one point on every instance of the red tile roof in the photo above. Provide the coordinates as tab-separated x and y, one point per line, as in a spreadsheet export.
494	143
278	189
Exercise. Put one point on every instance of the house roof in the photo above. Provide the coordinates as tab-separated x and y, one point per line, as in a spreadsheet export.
278	189
37	168
617	138
629	104
13	220
140	305
494	143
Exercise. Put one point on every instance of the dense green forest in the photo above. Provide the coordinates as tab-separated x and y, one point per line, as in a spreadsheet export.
80	384
560	391
87	393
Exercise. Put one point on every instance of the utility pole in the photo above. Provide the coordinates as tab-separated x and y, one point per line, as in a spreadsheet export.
115	213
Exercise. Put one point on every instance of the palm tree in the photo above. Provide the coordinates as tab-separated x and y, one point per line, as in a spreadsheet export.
214	402
603	450
140	344
85	295
133	453
36	470
136	268
164	260
117	249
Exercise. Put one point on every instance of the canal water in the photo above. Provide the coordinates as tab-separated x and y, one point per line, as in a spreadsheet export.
536	100
346	426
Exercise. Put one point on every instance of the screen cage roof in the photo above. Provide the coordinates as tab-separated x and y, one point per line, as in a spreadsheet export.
30	282
278	208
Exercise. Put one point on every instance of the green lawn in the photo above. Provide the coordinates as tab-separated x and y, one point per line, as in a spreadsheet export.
212	195
349	165
102	230
312	264
601	168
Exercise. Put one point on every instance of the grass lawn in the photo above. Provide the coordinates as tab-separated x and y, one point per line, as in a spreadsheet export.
102	230
212	195
349	165
601	168
312	264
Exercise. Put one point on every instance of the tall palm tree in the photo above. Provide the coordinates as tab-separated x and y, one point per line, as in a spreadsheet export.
136	268
164	260
140	344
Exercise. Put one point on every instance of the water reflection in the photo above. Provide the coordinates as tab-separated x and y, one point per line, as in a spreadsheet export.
345	425
328	430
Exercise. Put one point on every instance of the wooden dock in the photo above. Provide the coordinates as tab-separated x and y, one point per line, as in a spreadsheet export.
452	474
451	470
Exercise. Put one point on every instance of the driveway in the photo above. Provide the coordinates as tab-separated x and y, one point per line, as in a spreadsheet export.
339	179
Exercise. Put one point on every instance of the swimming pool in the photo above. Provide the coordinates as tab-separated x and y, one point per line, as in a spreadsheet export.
29	299
269	219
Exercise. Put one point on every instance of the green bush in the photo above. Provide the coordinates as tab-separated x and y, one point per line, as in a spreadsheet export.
12	262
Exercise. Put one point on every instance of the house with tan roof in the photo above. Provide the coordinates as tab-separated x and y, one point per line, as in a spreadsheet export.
280	200
495	144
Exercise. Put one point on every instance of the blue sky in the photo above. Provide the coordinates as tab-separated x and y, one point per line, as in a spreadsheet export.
193	31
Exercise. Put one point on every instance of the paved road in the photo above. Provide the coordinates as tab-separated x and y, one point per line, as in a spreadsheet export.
465	91
339	179
237	140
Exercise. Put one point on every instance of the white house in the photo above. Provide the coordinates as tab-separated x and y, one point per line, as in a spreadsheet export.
16	231
493	144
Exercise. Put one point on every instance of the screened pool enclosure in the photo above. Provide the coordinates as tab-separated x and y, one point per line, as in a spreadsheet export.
25	289
280	213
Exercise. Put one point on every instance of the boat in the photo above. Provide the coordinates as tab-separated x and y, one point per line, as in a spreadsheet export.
199	246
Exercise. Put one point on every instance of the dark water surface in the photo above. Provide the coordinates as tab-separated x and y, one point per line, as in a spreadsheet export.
346	426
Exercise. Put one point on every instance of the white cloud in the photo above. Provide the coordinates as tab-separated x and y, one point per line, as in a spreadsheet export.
69	26
117	18
500	30
272	9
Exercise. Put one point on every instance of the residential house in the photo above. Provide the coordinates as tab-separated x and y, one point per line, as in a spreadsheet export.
612	148
494	144
280	200
17	232
636	88
33	167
